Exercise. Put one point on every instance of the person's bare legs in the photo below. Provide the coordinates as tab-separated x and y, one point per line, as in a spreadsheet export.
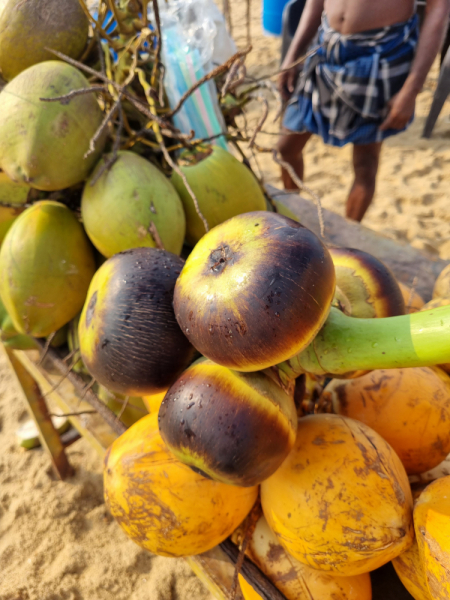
365	165
290	146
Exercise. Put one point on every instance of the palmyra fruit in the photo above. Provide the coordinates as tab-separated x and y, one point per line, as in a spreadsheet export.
130	340
254	291
232	427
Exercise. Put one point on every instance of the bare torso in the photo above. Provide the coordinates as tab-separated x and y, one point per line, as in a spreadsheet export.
354	16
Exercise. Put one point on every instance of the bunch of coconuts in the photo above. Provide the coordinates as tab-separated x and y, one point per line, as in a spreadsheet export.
209	347
255	292
55	154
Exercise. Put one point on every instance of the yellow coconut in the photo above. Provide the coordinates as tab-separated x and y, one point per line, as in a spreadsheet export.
294	579
12	193
123	205
442	285
44	143
413	301
409	568
432	525
161	504
341	500
153	402
223	186
409	408
28	28
46	264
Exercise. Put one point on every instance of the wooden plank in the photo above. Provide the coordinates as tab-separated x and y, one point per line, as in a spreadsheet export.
91	426
405	262
215	570
38	410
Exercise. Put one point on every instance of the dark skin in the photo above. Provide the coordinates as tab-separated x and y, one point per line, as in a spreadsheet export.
354	16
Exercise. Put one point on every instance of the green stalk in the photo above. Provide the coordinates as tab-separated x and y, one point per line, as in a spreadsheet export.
346	344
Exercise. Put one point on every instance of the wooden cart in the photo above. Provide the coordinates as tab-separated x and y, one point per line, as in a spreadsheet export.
216	567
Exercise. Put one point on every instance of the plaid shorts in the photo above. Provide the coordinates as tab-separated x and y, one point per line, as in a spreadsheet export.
345	87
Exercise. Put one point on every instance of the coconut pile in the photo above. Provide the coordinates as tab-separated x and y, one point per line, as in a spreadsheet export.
270	395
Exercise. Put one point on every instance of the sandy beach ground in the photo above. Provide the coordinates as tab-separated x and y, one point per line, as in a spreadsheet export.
57	541
412	198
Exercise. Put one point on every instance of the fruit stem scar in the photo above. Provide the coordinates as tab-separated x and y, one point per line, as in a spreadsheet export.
219	258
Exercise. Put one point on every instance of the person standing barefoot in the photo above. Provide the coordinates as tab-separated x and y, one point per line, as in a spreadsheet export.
360	83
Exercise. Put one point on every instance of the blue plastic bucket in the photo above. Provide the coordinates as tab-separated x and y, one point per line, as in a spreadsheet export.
273	16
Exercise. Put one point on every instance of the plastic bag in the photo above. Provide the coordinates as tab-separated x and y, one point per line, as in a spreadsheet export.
194	39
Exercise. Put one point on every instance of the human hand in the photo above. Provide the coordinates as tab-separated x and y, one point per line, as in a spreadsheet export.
287	80
401	109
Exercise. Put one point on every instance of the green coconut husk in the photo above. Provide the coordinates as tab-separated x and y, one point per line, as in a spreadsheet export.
120	208
46	264
43	143
11	193
223	186
27	28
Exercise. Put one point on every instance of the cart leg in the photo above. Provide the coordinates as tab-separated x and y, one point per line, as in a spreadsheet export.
38	409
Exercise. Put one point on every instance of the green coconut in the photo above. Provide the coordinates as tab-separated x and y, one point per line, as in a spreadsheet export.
28	28
46	265
223	186
11	338
44	143
119	209
12	193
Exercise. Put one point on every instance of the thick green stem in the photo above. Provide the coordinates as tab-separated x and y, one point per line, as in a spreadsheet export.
346	344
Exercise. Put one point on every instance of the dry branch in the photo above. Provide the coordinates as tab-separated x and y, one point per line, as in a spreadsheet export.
68	97
179	172
301	186
211	75
261	121
89	395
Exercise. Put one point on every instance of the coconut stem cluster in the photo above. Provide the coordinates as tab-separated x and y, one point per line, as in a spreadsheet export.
346	344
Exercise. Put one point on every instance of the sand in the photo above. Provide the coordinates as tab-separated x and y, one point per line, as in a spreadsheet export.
57	541
412	196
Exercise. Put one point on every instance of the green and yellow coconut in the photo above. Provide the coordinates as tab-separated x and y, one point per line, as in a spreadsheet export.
223	186
129	205
15	194
28	28
46	265
44	143
9	335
